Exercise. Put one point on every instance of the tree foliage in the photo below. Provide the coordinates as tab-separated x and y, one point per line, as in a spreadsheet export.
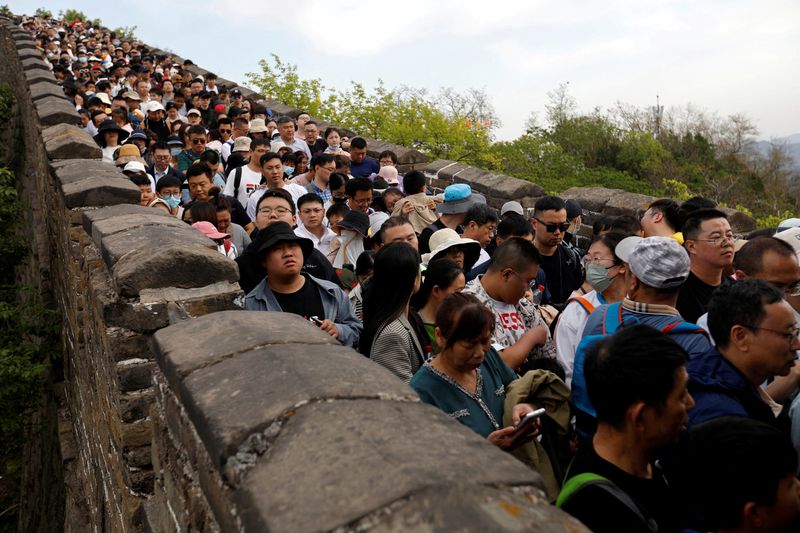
448	125
43	13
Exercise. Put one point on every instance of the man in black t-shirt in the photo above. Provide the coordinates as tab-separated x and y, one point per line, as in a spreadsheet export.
709	242
561	263
641	403
286	288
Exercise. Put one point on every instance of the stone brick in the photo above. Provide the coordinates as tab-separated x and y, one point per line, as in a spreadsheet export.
38	76
141	269
25	45
135	405
98	191
34	63
231	400
137	433
339	447
103	229
627	203
116	245
92	216
740	222
135	316
183	348
470	507
127	344
26	53
198	301
65	141
53	110
591	198
135	374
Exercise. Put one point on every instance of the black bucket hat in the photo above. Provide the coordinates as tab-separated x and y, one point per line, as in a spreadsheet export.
110	125
356	221
279	232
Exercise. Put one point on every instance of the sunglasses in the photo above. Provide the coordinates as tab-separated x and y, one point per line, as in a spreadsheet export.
198	141
551	228
224	131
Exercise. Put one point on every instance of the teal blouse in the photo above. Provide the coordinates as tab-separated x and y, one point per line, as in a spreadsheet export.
483	411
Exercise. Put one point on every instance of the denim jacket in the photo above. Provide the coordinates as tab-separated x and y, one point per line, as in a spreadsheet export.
335	304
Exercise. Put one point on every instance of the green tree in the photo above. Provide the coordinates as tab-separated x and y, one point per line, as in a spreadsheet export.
5	11
280	81
43	13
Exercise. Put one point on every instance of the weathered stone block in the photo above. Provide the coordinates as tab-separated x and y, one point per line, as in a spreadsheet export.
65	141
40	76
26	53
127	344
135	405
25	45
627	203
186	265
137	433
98	191
135	374
338	447
53	110
115	245
92	216
740	222
471	507
138	317
231	400
591	198
405	156
34	63
183	348
198	301
103	229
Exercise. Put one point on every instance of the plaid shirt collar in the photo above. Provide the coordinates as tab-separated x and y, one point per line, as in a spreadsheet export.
649	309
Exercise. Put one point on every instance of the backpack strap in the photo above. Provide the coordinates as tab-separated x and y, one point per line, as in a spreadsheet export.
612	318
237	180
683	327
588	479
586	304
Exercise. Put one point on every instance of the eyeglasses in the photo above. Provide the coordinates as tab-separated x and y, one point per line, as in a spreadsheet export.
717	241
789	289
790	335
365	201
596	261
277	210
551	228
198	141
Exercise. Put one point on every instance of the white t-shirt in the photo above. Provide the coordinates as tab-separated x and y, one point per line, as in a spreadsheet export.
249	183
569	331
508	316
295	190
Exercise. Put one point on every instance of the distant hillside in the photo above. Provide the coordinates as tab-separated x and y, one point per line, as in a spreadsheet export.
792	143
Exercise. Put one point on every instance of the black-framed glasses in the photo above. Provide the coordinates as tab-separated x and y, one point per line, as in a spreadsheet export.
717	241
790	335
224	131
198	141
551	227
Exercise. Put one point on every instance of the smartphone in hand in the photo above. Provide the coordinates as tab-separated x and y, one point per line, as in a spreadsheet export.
528	419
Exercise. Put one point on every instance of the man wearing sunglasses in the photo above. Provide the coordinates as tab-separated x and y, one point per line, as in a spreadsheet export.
757	339
560	263
197	145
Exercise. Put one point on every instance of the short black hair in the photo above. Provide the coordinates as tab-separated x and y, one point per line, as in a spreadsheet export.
392	222
391	155
548	203
516	253
336	210
197	129
336	180
739	304
414	182
357	184
514	225
309	198
672	212
322	159
140	179
255	143
697	202
617	376
480	214
691	226
750	258
627	224
708	483
284	119
160	145
277	193
358	143
168	181
210	156
197	169
268	157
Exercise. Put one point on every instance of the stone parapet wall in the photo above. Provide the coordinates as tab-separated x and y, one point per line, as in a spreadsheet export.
116	272
183	413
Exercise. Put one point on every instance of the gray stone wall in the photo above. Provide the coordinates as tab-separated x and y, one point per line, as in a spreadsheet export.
180	412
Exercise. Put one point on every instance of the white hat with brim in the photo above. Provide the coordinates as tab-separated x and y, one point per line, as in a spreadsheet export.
447	238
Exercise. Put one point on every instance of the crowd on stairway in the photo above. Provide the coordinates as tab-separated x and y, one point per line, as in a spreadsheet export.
649	376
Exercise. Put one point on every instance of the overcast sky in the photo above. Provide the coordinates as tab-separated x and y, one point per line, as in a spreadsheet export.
726	56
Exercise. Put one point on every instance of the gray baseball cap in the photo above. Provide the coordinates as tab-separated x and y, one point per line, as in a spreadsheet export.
658	262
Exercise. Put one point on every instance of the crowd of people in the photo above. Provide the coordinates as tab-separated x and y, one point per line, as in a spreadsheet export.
650	378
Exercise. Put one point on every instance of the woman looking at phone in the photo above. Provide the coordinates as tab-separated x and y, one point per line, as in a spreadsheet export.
467	379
